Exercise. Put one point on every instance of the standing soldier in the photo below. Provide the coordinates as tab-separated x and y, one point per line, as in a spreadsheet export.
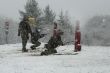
23	31
77	38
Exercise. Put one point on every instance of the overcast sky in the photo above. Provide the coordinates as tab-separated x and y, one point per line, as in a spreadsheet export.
78	9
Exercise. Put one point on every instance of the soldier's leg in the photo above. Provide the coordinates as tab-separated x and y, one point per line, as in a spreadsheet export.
49	47
52	46
35	45
24	43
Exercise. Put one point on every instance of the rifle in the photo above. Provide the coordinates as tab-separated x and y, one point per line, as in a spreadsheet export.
68	42
42	35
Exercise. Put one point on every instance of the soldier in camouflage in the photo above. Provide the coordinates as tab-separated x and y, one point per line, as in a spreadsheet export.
54	41
23	31
34	39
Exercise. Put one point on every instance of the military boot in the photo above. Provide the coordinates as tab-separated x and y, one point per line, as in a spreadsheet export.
24	50
33	48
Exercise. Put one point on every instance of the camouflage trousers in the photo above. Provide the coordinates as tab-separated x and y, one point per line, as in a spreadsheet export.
24	37
36	44
51	45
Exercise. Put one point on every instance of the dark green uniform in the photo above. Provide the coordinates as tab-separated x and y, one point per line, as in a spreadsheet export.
51	45
23	31
34	39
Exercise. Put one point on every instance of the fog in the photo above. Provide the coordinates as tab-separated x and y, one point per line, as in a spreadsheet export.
78	9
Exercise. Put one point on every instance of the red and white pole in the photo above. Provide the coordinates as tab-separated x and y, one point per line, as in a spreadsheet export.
77	37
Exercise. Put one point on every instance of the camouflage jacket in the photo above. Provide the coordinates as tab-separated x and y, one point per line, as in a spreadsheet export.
24	28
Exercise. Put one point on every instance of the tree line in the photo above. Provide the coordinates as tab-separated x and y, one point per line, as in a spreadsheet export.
95	31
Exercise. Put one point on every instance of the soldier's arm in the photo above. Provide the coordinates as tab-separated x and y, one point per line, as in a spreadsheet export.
19	29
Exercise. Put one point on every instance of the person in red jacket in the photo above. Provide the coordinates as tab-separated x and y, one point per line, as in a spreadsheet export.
57	34
77	38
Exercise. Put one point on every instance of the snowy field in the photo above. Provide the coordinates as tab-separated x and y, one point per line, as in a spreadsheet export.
89	60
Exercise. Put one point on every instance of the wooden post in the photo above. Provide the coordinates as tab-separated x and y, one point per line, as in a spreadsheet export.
6	31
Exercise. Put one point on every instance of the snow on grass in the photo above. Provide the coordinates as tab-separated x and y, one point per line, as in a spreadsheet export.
92	59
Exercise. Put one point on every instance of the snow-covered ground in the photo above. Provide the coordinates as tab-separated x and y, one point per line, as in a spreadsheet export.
90	60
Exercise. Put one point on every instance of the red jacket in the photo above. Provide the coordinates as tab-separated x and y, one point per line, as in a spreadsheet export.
55	32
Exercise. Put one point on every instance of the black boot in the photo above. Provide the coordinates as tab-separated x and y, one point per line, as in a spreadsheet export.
54	51
33	48
44	53
24	50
